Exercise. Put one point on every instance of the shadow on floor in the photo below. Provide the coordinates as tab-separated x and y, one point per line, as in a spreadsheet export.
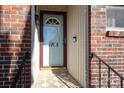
56	79
66	78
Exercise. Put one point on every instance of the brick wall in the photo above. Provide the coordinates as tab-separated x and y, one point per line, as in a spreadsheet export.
110	49
15	40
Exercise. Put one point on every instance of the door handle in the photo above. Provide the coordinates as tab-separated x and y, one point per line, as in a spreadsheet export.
64	41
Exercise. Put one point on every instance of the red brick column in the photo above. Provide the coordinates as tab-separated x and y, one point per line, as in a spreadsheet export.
110	49
15	40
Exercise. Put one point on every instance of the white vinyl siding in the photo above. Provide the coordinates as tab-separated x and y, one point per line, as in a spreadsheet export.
75	49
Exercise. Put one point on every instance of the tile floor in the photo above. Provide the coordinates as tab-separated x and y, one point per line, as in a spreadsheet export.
56	79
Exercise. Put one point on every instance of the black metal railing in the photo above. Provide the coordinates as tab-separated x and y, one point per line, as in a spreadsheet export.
19	74
108	72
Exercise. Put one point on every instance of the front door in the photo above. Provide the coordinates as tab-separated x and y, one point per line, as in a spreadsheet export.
53	47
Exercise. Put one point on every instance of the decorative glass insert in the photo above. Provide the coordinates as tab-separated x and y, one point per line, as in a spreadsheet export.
52	21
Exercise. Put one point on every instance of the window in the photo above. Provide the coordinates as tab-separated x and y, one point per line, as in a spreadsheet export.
52	21
115	17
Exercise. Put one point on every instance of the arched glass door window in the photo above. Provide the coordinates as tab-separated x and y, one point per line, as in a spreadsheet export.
52	21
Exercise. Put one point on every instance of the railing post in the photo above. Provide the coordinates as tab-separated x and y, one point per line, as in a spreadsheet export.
121	82
24	72
99	73
26	55
108	77
25	61
20	79
91	55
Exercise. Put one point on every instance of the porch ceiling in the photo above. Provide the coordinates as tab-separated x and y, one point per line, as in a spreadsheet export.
63	8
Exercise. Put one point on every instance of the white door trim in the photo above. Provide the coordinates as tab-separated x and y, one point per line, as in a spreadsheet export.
86	46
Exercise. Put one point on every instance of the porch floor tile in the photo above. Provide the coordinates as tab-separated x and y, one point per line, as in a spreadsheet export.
56	79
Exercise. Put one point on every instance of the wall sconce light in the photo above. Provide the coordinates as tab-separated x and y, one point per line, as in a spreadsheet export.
36	17
74	39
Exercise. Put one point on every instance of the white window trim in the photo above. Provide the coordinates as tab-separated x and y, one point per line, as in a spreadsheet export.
115	7
115	28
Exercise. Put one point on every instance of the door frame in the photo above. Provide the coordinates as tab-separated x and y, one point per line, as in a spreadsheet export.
86	36
64	36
